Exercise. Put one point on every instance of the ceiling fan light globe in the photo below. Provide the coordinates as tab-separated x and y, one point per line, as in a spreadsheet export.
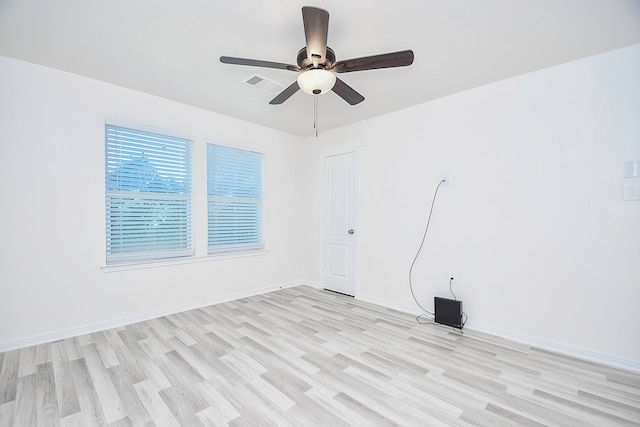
312	81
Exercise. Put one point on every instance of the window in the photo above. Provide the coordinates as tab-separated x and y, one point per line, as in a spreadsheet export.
148	195
234	197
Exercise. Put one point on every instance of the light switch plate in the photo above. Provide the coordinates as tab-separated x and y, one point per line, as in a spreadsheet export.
632	169
632	190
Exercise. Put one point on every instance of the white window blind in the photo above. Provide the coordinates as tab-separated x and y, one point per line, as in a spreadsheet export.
148	195
234	195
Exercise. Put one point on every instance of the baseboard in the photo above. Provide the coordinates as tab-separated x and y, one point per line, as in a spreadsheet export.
313	284
115	323
556	347
573	351
411	309
544	344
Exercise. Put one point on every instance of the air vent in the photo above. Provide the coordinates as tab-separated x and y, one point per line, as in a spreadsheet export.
264	83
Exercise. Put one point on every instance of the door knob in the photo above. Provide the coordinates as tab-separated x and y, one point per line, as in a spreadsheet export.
351	231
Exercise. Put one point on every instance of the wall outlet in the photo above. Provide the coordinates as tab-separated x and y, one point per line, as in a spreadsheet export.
450	179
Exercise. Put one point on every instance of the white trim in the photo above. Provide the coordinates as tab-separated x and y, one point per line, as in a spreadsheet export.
28	341
238	145
149	128
356	226
178	261
556	347
340	154
573	351
544	344
411	309
312	283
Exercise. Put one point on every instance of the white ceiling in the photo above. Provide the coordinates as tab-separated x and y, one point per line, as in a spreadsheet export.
171	48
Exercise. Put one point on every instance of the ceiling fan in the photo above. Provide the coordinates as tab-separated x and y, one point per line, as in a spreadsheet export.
317	66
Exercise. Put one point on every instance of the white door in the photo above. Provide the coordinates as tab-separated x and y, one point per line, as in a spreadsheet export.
339	223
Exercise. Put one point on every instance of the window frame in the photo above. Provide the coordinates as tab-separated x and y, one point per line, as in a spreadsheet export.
241	249
181	198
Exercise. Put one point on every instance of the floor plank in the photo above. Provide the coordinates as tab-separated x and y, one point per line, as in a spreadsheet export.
46	401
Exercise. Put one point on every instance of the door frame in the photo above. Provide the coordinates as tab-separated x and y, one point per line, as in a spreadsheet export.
356	225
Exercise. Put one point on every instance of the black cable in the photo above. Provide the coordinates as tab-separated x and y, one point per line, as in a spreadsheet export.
463	313
424	236
451	290
461	326
429	319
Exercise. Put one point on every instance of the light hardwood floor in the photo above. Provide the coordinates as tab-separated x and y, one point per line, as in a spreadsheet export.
303	357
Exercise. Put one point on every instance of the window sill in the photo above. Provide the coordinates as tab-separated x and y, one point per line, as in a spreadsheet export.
180	261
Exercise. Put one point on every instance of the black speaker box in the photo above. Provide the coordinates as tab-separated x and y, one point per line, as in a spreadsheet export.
448	312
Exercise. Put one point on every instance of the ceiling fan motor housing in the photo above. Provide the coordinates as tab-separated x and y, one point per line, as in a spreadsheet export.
305	63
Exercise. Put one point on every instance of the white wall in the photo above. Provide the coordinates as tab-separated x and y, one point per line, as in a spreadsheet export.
52	217
543	247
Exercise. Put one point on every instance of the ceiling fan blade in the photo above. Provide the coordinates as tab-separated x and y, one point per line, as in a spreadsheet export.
285	94
386	60
316	27
258	63
347	93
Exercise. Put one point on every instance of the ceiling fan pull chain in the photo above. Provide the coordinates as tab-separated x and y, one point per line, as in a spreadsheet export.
315	113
